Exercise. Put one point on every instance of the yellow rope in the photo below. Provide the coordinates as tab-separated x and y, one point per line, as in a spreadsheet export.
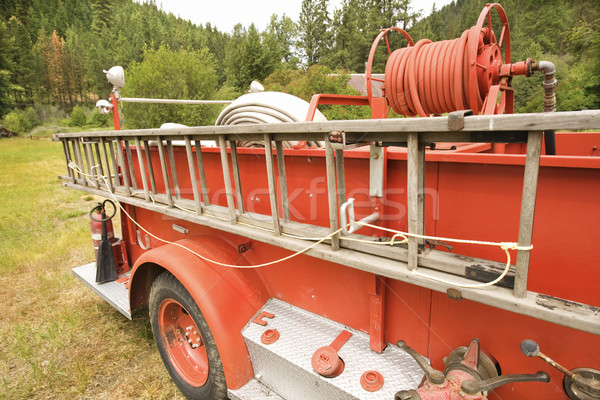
506	246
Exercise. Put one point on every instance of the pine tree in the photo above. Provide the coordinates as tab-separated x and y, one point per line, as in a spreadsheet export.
102	15
250	56
25	72
6	67
283	33
233	57
314	37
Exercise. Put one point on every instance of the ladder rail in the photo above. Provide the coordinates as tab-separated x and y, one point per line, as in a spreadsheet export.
88	151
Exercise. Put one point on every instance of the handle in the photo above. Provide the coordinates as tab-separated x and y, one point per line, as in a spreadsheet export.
472	387
433	375
585	384
530	348
348	208
101	208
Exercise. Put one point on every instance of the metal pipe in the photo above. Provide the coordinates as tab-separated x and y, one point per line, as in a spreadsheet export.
549	69
172	101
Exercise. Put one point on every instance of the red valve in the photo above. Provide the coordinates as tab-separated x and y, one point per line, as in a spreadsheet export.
470	374
326	361
371	381
270	336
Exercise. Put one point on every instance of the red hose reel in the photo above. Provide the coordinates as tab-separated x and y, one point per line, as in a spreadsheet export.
438	77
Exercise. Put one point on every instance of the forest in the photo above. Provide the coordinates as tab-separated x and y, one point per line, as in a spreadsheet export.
54	51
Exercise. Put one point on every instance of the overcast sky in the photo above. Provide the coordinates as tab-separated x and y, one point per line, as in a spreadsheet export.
224	14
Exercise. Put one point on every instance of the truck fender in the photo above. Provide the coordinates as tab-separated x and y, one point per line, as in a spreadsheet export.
227	297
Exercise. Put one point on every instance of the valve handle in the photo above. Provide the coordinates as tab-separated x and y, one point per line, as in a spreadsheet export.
433	375
586	384
530	348
472	387
101	208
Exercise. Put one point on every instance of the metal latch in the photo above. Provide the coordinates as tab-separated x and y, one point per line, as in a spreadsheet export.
456	119
337	139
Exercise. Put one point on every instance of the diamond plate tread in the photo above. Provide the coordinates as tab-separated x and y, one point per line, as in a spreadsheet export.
115	293
253	390
285	366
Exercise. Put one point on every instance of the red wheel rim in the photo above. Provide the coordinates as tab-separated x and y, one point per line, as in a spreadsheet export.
369	69
183	342
475	99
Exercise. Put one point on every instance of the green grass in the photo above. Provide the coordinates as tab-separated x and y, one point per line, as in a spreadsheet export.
57	339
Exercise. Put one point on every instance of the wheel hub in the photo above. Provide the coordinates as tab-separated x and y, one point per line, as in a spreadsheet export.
183	342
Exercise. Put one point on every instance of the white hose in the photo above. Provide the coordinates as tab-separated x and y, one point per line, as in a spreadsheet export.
267	108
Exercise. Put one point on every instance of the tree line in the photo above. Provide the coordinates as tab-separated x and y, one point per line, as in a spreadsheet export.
55	50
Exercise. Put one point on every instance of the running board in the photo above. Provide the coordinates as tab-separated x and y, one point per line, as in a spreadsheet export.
115	293
285	366
253	390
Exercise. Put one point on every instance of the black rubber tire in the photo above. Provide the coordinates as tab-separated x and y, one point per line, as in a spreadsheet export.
164	287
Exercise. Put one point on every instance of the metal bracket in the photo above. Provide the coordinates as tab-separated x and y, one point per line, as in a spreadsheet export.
337	139
376	166
259	319
456	119
180	229
244	247
139	240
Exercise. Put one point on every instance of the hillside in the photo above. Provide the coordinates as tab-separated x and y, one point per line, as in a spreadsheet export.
54	50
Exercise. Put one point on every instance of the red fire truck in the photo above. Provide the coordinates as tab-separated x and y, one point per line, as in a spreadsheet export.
448	256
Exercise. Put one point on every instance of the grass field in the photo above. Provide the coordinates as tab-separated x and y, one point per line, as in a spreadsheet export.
58	340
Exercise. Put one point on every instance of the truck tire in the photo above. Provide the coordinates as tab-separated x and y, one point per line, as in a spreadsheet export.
184	340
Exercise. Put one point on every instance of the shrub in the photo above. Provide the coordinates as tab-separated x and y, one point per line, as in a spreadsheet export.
78	117
317	79
99	120
21	121
168	74
12	122
49	113
30	119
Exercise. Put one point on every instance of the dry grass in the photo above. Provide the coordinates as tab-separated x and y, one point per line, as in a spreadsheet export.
57	339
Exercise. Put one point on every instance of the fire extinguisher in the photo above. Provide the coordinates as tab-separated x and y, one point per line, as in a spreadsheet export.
98	218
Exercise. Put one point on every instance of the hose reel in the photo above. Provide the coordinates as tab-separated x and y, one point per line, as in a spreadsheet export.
471	72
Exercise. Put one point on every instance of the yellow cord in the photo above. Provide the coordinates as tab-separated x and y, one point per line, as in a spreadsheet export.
503	245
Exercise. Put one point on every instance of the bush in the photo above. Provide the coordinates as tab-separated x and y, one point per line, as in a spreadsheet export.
49	113
78	117
167	74
12	122
317	79
21	121
99	120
